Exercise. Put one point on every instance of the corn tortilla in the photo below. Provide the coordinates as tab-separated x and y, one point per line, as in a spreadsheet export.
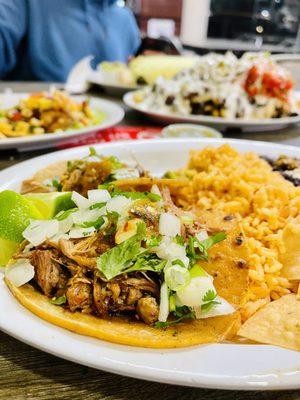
123	331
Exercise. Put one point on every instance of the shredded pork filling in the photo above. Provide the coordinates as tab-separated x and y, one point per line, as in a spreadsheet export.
62	271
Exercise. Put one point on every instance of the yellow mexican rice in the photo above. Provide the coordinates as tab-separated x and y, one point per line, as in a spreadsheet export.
223	179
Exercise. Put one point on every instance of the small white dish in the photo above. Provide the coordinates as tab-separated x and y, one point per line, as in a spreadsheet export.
190	131
218	366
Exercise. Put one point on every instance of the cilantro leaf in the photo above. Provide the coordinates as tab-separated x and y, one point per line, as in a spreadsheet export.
153	241
147	262
97	205
114	261
64	214
179	240
209	295
178	262
181	313
211	240
92	152
96	224
198	250
208	306
116	164
56	184
58	301
112	217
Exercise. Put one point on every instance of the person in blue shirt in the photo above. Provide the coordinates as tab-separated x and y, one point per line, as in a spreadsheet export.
43	39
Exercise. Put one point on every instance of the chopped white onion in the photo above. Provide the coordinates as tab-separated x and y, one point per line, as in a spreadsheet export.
126	173
80	201
224	308
56	238
40	230
176	276
28	247
169	225
81	216
192	294
20	272
98	196
119	204
202	235
65	224
78	233
164	303
168	250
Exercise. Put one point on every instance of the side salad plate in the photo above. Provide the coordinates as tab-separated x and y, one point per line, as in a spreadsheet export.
38	120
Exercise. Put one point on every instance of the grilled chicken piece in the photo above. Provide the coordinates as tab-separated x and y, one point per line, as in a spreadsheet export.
48	273
147	309
79	294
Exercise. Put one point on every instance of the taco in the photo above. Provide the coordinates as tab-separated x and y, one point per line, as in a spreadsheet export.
127	266
81	175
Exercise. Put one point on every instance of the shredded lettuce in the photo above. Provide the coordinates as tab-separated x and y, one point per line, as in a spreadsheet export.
129	256
121	257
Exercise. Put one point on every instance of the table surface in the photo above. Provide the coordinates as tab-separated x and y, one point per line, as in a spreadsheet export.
27	373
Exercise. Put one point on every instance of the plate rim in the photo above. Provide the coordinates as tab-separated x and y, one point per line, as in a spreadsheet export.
96	78
266	122
234	382
117	111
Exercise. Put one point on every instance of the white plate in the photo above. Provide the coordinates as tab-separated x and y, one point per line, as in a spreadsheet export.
218	122
224	366
111	88
114	114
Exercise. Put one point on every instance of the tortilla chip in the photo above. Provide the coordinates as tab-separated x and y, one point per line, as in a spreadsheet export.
125	331
228	260
277	323
291	257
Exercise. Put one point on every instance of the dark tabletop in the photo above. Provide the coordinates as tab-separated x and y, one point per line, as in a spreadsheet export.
27	373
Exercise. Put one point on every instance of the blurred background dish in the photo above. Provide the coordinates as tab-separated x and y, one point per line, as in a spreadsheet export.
262	125
107	114
189	130
118	78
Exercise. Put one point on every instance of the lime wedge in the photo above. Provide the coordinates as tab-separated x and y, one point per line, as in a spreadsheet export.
15	214
49	204
8	249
